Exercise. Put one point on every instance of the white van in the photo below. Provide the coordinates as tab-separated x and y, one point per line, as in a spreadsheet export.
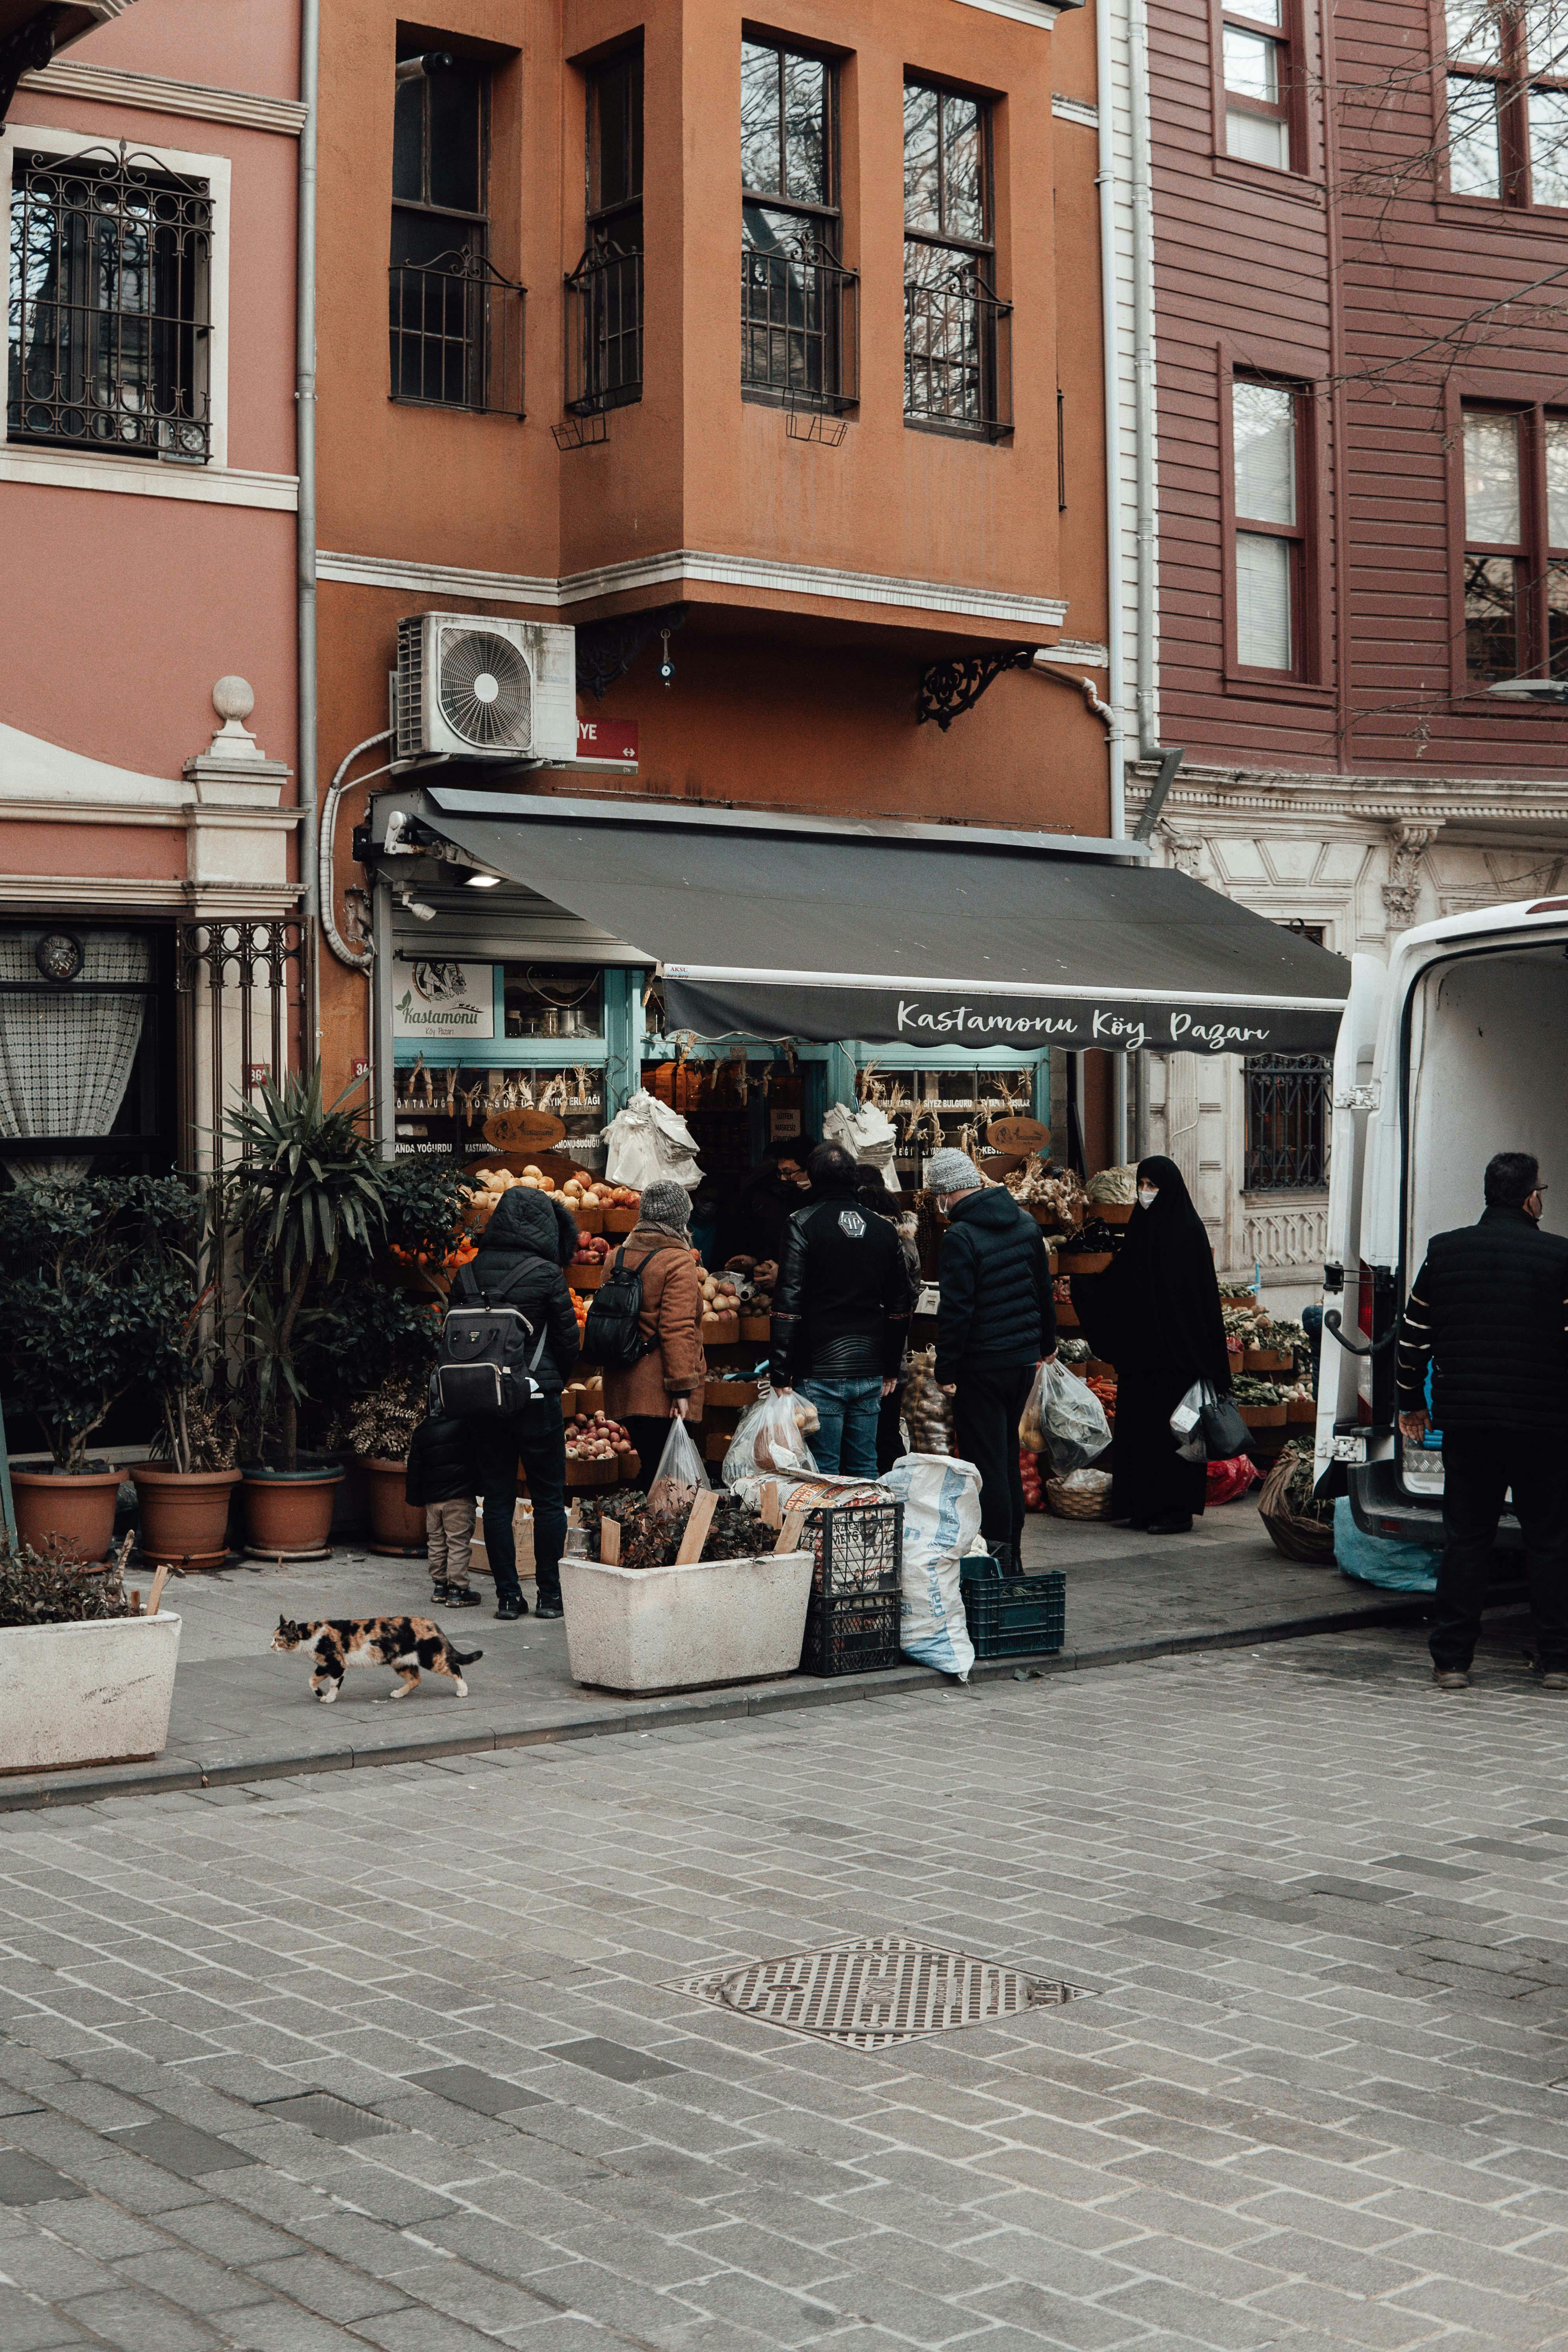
1454	1049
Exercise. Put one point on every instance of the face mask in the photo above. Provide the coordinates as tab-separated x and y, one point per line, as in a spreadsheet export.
1147	1195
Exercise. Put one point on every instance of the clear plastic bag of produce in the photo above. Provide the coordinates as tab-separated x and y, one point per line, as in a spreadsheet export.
680	1476
770	1439
1064	1418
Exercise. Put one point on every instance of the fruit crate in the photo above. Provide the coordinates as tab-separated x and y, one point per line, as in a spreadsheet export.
856	1635
1013	1616
858	1549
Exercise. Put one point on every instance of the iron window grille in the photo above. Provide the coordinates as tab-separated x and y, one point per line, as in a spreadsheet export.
958	347
239	991
457	337
605	292
800	322
109	313
1287	1123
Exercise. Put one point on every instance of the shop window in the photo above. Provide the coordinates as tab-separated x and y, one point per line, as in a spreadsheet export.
1257	61
798	314
86	1051
957	331
553	1001
1288	1120
111	305
1516	543
455	323
1269	560
1507	79
604	312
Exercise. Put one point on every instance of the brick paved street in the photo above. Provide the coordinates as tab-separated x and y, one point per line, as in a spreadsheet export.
1321	1916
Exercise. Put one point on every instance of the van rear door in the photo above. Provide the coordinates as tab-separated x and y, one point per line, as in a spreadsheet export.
1354	1101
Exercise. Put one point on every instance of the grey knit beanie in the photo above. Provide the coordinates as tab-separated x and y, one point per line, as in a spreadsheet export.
667	1205
952	1172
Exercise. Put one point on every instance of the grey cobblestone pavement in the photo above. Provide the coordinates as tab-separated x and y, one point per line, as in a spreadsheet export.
1310	2097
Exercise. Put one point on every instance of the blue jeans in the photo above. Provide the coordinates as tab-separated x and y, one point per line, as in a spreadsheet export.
846	1445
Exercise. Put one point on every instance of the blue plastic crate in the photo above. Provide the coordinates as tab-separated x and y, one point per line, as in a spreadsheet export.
1013	1616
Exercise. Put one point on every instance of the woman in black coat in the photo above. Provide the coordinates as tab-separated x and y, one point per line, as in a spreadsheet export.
1156	1314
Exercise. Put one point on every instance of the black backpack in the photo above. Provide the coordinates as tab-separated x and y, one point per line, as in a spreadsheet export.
483	1367
613	1334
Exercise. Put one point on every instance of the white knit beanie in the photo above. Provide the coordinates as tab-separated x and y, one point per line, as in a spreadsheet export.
952	1172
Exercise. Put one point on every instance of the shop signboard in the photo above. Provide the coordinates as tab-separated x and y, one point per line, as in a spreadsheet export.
607	739
524	1130
1018	1135
435	997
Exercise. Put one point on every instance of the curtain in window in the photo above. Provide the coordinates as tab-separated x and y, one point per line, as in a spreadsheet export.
65	1055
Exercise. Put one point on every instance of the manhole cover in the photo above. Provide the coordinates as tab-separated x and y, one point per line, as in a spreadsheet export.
879	1990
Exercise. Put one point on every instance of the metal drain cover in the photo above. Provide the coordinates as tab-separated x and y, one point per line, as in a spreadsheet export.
878	1990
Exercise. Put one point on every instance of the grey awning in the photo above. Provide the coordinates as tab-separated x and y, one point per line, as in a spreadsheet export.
911	935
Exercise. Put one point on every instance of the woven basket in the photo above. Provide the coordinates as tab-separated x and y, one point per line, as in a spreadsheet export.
1310	1541
1071	1503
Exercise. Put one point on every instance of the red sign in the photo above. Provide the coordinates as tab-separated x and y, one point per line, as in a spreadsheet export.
607	738
359	1069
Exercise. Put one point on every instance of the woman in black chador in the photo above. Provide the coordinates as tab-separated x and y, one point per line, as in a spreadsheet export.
1156	1314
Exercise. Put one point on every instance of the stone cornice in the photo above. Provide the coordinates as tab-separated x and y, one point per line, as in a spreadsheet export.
1249	794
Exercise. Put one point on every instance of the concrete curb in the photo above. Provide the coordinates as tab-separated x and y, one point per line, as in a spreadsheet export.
170	1775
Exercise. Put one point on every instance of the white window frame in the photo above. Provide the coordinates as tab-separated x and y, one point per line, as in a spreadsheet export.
216	170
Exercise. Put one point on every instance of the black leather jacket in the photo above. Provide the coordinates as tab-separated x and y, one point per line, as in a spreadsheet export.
841	1311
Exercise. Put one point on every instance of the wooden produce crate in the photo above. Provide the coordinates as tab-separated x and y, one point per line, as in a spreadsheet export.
593	1474
1087	1262
723	1333
589	1217
1263	1417
630	1468
723	1394
1113	1212
1266	1360
1300	1413
584	1277
1066	1315
619	1219
757	1330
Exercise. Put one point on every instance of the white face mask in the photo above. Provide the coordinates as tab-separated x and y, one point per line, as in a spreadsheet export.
1147	1195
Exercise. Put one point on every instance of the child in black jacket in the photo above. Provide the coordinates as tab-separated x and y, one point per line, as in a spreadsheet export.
441	1477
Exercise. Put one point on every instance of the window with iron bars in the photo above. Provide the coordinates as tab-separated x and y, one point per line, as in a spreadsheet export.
605	292
799	316
456	324
1287	1123
109	316
958	350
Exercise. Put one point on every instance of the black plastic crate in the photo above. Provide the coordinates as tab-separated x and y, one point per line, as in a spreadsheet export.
1013	1616
858	1549
856	1635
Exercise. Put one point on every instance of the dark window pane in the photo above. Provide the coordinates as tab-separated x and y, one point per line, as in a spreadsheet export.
422	239
786	319
408	142
614	132
1491	618
760	141
806	130
963	178
1287	1123
455	133
921	205
1557	619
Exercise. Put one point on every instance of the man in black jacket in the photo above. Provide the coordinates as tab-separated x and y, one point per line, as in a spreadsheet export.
1487	1310
528	1240
841	1315
995	1324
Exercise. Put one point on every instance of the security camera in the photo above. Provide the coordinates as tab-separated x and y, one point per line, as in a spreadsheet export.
422	912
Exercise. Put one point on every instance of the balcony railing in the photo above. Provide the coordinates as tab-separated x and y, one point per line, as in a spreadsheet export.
603	331
958	352
800	325
456	331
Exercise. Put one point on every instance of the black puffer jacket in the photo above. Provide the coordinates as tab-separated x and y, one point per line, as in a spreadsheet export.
996	1305
440	1462
1488	1308
841	1311
530	1238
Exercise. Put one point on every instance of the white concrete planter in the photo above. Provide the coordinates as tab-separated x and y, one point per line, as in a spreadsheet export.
657	1629
87	1694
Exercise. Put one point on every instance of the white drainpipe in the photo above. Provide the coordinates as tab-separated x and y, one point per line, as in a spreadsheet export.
1106	182
305	532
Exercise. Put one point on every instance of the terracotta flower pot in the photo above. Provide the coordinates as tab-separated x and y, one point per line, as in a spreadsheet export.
72	1509
289	1513
396	1528
185	1514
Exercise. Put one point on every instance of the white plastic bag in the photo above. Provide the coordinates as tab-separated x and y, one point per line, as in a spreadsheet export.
1077	1430
647	1142
770	1439
680	1476
868	1134
940	1496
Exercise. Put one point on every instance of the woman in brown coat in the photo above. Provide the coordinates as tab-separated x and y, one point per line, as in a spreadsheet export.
666	1385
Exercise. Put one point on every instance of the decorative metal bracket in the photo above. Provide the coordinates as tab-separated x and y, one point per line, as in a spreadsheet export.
949	688
606	649
27	50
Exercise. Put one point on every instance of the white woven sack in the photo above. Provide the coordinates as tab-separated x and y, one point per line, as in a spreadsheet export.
940	1496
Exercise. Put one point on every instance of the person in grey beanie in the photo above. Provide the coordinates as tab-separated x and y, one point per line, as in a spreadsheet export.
665	1384
996	1322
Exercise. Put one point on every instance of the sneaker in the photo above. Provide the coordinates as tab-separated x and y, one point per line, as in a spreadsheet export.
512	1604
1555	1678
1457	1678
548	1606
458	1596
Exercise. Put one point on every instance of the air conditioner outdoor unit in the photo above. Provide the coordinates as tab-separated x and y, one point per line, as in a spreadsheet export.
472	688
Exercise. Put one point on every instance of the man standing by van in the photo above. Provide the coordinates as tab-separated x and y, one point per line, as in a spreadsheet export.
1488	1309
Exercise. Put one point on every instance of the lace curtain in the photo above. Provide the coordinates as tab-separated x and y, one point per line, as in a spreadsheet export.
66	1057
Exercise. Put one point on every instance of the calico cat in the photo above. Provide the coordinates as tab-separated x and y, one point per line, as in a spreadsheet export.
406	1644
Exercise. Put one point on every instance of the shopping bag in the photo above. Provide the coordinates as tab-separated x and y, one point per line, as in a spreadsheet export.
1077	1432
680	1476
770	1439
941	1497
1208	1426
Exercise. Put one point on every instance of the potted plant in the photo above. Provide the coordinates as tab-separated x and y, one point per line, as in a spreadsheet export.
87	1678
184	1489
379	1429
91	1298
307	1184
